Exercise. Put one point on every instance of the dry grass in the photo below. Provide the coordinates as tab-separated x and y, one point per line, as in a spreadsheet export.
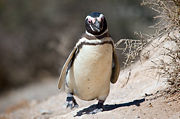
131	48
171	70
168	15
168	21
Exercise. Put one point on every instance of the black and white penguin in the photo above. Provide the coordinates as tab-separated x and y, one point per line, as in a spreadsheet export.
91	65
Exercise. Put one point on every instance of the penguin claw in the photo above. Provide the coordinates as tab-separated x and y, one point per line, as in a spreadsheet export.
99	107
76	106
71	102
71	105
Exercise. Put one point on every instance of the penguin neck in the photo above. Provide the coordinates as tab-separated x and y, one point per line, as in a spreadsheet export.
93	37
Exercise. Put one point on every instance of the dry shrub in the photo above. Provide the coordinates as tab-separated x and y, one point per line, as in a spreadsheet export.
168	21
168	15
131	48
169	65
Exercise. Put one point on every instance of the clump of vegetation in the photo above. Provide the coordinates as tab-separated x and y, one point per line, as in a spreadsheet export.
169	20
131	48
171	70
168	17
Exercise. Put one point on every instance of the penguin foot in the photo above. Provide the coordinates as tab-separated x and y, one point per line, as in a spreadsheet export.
99	107
93	109
71	105
71	102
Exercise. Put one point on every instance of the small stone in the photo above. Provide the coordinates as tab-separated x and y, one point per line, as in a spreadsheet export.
150	105
45	112
138	117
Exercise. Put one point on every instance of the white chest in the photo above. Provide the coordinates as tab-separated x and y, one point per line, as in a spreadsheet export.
92	70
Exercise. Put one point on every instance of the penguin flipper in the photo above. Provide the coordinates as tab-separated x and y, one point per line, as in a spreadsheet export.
115	68
66	66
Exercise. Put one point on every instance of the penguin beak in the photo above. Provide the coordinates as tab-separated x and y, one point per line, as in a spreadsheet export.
96	26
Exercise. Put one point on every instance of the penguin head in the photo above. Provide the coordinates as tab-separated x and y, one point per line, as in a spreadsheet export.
95	23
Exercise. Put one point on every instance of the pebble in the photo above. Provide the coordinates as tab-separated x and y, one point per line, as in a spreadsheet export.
45	112
150	105
138	117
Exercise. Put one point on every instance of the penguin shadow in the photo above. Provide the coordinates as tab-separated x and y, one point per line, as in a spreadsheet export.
110	107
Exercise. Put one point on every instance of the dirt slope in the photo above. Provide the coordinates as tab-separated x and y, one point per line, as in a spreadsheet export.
125	101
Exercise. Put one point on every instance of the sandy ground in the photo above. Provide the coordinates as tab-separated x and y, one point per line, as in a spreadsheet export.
117	106
127	99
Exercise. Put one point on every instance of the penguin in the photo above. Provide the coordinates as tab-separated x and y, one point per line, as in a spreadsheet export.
91	66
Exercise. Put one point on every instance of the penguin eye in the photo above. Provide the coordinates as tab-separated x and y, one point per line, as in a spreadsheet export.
89	21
